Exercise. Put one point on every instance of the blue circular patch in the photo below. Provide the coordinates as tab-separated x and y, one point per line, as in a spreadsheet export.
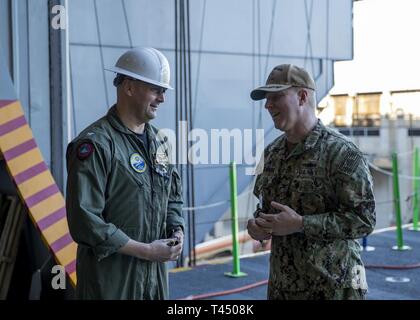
137	163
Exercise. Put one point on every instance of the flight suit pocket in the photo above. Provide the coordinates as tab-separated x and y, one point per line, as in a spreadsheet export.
127	198
137	178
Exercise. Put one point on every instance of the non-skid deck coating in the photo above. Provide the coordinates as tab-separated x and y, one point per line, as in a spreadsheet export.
210	278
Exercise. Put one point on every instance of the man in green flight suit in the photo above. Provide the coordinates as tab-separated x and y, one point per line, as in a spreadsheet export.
317	197
124	197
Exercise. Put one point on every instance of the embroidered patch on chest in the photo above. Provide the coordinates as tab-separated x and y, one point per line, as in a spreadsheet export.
137	163
84	150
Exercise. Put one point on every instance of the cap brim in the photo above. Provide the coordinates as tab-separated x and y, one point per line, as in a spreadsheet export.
260	92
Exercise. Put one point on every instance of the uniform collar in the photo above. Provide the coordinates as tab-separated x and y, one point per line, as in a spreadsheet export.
313	137
308	143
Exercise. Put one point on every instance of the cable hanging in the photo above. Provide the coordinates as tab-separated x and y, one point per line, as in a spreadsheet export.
327	45
183	110
126	23
200	48
270	37
98	31
212	205
389	173
308	48
207	206
73	107
269	44
401	154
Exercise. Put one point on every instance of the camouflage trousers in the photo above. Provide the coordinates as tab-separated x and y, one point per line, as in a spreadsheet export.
338	294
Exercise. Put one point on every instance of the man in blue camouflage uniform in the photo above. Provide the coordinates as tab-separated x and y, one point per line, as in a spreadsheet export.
317	197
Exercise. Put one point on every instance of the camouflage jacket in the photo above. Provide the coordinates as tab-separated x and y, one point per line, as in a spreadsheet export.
326	179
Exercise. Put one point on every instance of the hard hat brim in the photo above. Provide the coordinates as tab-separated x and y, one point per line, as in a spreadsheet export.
136	76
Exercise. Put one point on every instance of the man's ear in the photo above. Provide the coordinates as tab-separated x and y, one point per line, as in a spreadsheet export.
303	97
127	87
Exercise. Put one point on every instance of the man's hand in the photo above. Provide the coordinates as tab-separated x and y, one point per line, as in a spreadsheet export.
159	250
256	232
287	221
178	235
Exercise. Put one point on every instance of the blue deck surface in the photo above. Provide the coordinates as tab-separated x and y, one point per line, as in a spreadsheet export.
210	278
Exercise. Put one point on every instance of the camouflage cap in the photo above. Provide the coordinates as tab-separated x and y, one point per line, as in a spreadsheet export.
283	77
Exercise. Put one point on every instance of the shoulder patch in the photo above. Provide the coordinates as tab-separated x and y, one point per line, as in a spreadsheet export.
351	160
84	150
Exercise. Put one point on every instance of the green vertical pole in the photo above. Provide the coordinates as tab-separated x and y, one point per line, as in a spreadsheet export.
397	205
416	175
234	215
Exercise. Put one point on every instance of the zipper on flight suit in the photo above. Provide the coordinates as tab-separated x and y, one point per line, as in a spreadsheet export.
149	264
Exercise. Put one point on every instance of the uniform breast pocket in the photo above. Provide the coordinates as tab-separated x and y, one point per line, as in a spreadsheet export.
130	177
307	196
273	188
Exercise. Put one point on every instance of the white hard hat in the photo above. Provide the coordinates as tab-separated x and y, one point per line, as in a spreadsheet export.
145	64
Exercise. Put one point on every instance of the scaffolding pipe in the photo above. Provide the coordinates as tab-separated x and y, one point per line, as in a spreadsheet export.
416	173
234	215
397	204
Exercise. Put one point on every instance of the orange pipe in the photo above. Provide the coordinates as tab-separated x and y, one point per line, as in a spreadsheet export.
221	243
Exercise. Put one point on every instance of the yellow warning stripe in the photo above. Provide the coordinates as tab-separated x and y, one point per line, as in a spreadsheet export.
15	138
10	112
25	161
56	231
48	206
36	184
66	252
73	277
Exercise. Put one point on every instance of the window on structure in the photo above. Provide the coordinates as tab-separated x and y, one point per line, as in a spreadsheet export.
342	109
405	105
366	110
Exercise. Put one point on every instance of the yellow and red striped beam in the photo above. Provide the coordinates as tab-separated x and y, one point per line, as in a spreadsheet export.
33	179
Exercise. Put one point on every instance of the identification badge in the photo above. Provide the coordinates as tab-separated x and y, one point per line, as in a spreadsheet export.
137	163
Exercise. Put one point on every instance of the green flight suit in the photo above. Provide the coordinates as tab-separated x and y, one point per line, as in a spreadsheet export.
325	178
116	190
